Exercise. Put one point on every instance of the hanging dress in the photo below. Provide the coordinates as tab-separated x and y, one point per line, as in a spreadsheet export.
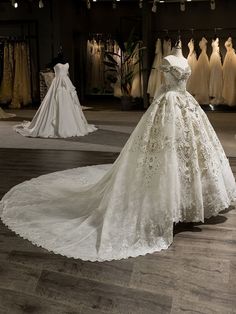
229	74
137	80
154	81
60	114
202	75
192	61
216	74
173	168
7	77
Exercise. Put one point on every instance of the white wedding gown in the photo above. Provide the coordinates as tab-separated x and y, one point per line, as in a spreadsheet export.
173	168
216	74
5	115
60	114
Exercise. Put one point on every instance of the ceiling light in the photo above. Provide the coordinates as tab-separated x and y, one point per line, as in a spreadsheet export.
114	4
162	1
154	6
140	4
14	4
88	4
182	5
212	4
41	4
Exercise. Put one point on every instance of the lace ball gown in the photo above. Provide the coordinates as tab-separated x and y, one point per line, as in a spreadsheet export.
173	168
60	114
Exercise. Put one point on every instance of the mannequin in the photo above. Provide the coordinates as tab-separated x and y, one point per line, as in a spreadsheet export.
176	57
177	49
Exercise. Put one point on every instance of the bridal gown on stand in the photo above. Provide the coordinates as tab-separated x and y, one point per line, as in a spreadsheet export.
60	114
172	168
229	74
202	75
216	74
192	61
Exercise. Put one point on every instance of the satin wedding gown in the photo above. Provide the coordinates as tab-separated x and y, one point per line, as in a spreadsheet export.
173	168
60	114
216	74
202	75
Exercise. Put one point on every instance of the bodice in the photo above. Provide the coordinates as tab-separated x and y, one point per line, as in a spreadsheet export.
176	77
203	44
191	47
61	69
215	46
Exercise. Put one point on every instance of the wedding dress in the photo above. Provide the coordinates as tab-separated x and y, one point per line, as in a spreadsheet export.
173	168
229	74
60	113
137	80
192	61
216	74
5	115
202	75
155	78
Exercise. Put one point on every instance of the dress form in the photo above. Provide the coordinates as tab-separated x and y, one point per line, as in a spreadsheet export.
176	57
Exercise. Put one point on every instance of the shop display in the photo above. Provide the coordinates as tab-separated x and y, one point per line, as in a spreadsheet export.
107	212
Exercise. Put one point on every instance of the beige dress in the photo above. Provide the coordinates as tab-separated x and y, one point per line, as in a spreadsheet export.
229	74
7	79
155	77
192	61
202	75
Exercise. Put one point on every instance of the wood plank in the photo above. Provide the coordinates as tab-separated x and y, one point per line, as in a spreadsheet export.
108	298
114	272
12	302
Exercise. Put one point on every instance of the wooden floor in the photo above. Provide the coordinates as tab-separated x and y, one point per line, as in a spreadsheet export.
197	274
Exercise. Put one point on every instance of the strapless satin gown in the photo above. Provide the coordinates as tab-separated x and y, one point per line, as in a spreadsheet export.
60	114
173	168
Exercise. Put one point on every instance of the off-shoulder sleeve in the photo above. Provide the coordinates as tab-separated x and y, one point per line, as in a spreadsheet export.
165	67
179	73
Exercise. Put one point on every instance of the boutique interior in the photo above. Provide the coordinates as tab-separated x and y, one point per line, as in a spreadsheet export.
113	52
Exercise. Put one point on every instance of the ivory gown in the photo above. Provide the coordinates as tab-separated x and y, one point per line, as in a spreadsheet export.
60	113
202	75
229	74
155	81
5	115
216	74
172	168
192	61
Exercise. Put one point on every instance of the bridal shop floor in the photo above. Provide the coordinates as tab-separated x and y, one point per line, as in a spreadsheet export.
197	274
